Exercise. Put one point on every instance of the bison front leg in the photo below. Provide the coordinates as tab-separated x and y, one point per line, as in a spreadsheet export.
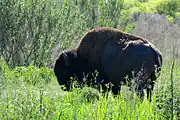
68	85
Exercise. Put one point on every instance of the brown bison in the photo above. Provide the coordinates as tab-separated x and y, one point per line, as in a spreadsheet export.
118	57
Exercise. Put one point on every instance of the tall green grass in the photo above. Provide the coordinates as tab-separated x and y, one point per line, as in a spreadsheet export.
26	93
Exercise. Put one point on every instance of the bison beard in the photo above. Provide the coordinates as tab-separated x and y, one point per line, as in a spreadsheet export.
114	55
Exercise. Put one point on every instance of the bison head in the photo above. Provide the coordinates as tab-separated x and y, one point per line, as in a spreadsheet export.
65	67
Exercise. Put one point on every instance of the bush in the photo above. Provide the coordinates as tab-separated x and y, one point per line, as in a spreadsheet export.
169	8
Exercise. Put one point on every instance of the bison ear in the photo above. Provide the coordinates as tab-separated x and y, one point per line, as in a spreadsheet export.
66	60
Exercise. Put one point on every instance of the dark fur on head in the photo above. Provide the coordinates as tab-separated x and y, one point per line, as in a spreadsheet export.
65	66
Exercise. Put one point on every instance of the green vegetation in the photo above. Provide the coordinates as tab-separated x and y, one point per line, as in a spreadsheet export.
34	32
33	93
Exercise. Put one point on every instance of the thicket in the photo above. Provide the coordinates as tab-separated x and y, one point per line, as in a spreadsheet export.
36	31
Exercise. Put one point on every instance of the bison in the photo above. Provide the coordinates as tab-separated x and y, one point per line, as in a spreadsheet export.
117	56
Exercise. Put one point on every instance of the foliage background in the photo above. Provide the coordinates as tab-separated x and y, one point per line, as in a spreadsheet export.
35	32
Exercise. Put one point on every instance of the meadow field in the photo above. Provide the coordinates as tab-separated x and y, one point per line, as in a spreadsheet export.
34	32
33	93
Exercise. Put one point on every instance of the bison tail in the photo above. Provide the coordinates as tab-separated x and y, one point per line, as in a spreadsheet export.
157	58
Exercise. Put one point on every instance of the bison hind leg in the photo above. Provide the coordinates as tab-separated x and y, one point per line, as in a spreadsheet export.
140	92
149	94
116	89
150	86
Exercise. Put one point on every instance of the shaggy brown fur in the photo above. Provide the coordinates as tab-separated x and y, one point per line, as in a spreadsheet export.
93	42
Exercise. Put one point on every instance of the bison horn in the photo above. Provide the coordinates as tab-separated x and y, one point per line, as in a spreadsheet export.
66	60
